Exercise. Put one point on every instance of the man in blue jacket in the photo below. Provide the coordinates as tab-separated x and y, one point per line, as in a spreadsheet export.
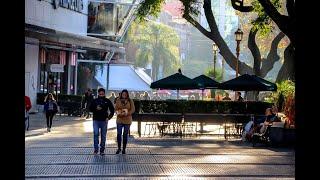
101	107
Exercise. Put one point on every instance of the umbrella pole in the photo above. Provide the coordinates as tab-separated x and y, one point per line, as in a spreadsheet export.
202	94
201	123
177	93
246	98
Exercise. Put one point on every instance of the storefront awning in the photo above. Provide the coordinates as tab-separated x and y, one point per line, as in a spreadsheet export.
74	39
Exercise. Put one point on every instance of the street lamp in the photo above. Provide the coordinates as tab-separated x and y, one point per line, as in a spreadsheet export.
238	37
214	49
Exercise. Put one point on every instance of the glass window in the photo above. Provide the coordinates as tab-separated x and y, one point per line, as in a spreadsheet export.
53	82
106	19
101	18
91	75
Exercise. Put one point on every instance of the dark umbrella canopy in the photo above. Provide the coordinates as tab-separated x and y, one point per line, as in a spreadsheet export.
206	82
248	82
175	81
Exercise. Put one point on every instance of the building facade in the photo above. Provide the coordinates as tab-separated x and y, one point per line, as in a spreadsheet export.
55	39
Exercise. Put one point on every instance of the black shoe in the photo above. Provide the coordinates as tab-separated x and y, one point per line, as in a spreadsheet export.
123	151
102	153
95	152
118	151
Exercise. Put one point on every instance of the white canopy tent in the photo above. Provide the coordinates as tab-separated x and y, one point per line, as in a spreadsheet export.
124	76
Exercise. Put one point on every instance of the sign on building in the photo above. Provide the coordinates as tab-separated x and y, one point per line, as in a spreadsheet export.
56	68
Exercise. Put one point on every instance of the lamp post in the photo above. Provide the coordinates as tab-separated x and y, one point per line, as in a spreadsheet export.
222	72
238	36
214	50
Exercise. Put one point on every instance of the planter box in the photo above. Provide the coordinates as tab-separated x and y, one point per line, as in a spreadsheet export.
276	135
282	136
290	136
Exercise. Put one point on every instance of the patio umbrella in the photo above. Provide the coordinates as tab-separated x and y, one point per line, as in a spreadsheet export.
176	81
206	82
248	82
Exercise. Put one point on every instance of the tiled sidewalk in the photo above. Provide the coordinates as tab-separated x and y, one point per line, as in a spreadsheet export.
66	153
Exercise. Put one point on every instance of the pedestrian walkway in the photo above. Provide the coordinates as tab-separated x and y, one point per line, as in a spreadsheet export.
67	153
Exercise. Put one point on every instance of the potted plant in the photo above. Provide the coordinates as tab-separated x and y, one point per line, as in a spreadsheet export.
289	110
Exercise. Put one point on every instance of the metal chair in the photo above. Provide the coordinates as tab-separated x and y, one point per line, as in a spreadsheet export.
263	137
152	127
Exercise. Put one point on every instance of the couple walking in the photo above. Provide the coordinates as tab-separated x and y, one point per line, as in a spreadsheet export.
103	110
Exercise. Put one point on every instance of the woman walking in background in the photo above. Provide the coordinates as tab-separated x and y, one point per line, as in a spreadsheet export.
50	108
124	107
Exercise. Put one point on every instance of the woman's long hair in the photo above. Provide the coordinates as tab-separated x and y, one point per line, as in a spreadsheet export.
46	98
124	91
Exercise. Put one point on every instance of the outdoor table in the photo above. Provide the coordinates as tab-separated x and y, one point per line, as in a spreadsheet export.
156	117
192	117
217	118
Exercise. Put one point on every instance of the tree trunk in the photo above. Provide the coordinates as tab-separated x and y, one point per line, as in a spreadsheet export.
252	45
287	70
267	64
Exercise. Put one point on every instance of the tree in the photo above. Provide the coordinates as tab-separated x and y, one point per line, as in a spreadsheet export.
285	19
197	58
218	77
269	9
157	44
191	11
218	74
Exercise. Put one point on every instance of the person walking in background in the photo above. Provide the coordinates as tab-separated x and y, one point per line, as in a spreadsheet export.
101	107
27	106
146	96
125	108
50	108
112	97
137	96
117	98
88	98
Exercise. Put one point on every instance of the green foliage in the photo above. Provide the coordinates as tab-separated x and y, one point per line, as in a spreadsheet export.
149	7
198	106
263	21
153	8
191	7
218	77
285	89
218	74
157	44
